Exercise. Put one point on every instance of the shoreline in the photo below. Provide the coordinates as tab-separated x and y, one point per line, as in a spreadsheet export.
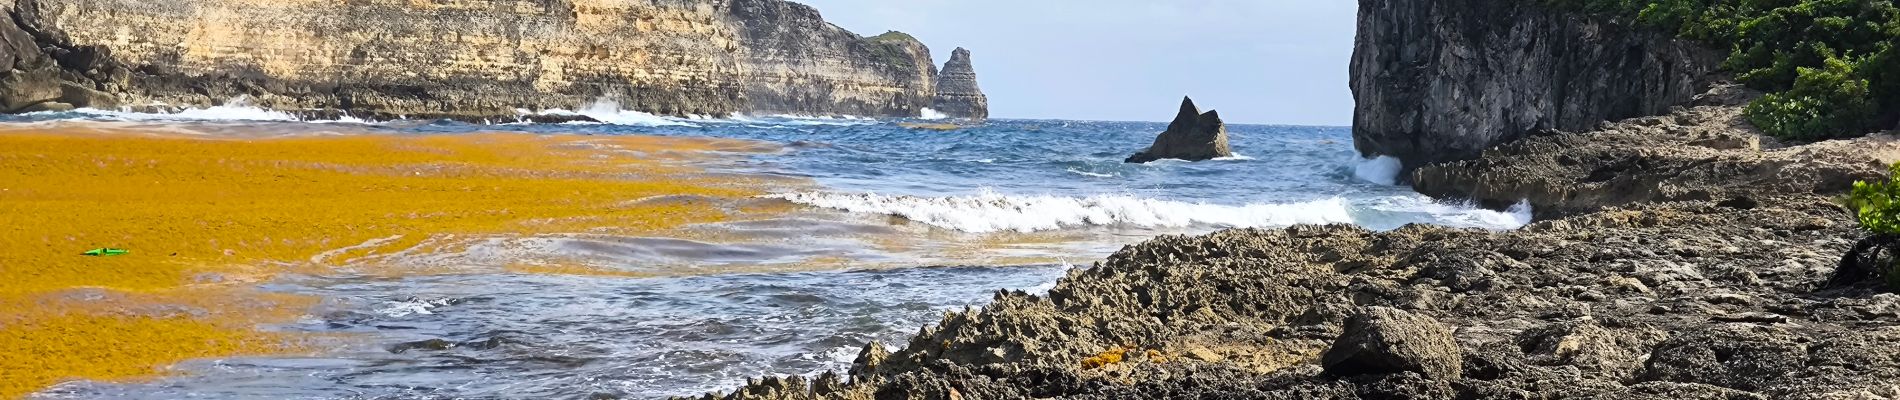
1716	290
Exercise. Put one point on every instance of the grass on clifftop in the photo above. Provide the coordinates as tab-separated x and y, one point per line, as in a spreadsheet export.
1830	67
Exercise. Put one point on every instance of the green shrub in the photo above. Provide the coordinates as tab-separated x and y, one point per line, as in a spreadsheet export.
1829	66
1824	100
1876	206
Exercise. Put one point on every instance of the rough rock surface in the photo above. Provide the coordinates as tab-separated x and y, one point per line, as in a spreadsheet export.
466	59
958	95
1442	80
1704	152
1381	340
1193	136
1686	300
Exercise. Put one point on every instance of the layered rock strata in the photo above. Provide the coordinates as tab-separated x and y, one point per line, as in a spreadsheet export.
958	95
465	59
1443	80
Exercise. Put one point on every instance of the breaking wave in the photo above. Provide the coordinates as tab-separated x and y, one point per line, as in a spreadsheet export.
608	111
1382	170
929	114
992	212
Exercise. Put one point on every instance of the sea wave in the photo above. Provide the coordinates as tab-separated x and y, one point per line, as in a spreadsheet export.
932	115
1382	170
988	211
608	111
239	109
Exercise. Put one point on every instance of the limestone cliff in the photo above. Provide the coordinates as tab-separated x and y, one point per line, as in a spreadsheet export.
957	93
471	59
1442	80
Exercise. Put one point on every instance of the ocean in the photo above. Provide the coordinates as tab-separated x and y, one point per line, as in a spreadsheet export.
876	228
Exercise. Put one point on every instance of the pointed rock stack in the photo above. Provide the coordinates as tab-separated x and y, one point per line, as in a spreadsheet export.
1193	136
957	93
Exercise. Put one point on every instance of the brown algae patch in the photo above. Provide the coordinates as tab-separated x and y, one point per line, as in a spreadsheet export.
206	218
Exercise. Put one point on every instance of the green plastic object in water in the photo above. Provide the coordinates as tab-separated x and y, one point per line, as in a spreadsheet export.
101	252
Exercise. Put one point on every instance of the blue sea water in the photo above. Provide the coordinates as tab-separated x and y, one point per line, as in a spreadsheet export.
567	337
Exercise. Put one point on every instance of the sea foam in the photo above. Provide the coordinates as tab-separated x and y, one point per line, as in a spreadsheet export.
992	212
608	111
1382	170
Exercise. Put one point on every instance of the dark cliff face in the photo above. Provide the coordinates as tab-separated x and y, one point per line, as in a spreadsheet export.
1442	80
957	93
460	59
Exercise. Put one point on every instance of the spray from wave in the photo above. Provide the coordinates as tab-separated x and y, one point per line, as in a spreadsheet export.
932	115
1383	170
608	111
992	212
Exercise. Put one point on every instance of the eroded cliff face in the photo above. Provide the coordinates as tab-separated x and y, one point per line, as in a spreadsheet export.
472	59
1442	80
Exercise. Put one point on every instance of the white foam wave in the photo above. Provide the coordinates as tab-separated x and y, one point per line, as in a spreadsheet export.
1235	157
932	115
1383	170
1456	215
236	109
412	306
608	111
1090	174
992	212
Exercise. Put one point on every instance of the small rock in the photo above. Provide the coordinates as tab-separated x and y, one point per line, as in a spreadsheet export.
1382	340
1751	317
1203	354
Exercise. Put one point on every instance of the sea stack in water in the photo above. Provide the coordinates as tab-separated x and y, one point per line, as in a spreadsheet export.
1193	136
957	93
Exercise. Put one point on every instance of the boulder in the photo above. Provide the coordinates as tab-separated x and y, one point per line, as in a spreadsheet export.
1193	136
1381	340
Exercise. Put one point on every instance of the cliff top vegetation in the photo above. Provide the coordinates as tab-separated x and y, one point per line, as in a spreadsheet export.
1830	67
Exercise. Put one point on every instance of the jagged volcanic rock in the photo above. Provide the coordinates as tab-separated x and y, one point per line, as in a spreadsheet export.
1694	300
1705	152
1383	340
958	95
1193	136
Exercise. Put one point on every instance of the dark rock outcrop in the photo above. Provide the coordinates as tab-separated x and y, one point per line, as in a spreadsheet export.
1705	152
1382	340
460	59
958	95
1443	80
1193	136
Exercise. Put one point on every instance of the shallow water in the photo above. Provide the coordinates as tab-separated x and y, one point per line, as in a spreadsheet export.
539	336
875	212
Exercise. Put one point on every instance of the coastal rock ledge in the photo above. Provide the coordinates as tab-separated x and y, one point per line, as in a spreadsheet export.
459	59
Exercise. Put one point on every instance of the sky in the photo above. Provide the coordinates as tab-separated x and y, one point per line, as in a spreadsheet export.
1257	61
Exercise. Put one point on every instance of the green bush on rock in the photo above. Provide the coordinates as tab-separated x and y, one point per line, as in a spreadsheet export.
1876	206
1830	66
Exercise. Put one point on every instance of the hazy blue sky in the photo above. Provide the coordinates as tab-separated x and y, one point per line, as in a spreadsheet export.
1257	61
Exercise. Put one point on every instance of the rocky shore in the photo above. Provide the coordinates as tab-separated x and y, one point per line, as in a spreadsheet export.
1683	300
1678	253
469	60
